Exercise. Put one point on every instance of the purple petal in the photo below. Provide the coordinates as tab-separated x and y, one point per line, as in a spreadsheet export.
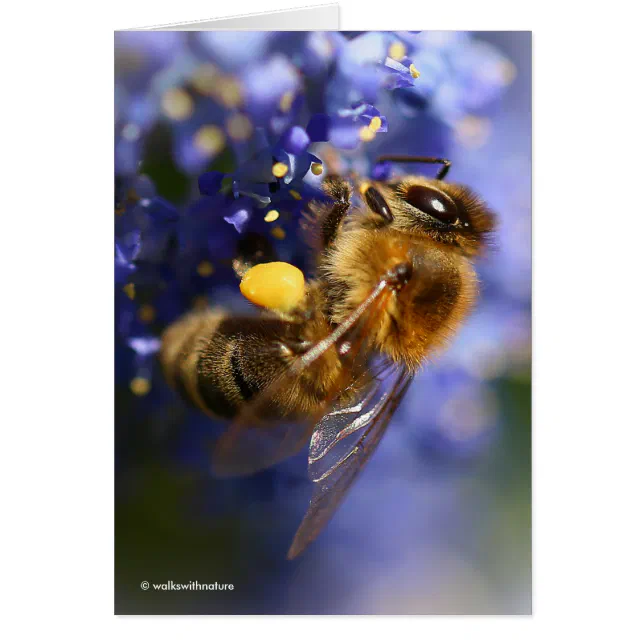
295	140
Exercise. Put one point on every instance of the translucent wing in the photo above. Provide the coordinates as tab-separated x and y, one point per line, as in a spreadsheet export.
251	444
341	444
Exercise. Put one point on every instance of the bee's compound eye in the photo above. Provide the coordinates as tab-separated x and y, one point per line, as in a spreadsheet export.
276	285
432	202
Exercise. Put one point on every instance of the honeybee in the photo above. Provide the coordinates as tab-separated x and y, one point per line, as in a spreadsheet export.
329	360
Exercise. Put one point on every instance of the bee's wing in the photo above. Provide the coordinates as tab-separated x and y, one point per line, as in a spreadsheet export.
341	444
250	444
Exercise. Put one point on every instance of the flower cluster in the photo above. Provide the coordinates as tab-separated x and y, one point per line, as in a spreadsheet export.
222	135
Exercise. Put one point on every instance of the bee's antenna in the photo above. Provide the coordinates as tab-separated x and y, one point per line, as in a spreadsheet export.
404	158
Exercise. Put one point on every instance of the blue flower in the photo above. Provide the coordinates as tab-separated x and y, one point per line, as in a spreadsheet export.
348	127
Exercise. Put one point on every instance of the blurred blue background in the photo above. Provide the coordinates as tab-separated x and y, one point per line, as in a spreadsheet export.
440	521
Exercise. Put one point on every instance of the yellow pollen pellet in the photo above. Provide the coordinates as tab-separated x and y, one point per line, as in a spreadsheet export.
277	286
140	386
366	134
376	124
271	215
397	50
129	290
279	233
205	269
317	169
413	71
295	194
280	169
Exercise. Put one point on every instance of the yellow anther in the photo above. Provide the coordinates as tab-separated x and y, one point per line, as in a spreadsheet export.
279	233
376	124
140	386
200	303
286	102
280	169
413	71
473	131
271	215
147	313
205	269
210	139
397	50
508	71
277	286
176	104
228	92
295	194
239	127
367	134
129	290
204	80
317	169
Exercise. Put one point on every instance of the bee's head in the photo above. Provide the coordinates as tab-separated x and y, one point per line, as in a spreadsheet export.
449	213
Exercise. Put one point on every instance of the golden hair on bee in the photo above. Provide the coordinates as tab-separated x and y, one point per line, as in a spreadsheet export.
417	320
393	278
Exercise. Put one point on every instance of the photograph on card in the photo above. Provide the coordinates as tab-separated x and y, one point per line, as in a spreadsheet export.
322	289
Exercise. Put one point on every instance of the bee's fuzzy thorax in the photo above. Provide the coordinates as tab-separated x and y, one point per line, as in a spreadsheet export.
420	318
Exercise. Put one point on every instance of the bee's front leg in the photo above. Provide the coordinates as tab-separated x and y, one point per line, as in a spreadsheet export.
330	216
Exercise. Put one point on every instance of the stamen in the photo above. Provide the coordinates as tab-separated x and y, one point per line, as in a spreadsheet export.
205	269
140	386
239	127
228	92
271	215
280	169
279	233
176	104
366	134
376	124
397	51
286	102
204	80
210	139
147	313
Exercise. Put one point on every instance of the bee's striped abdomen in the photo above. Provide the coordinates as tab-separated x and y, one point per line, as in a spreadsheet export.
183	347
